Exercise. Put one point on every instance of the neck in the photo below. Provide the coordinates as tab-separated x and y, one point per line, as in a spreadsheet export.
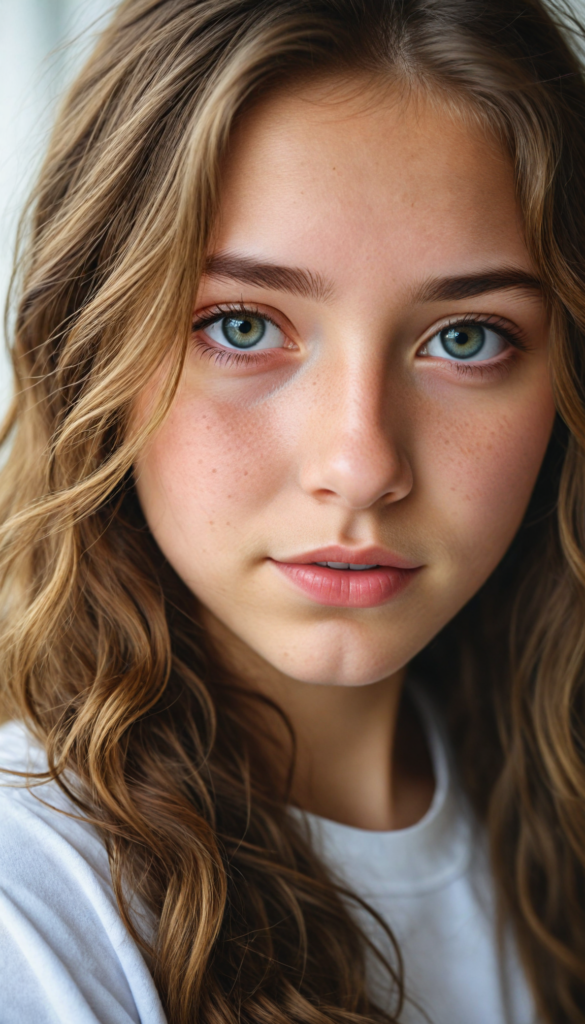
361	757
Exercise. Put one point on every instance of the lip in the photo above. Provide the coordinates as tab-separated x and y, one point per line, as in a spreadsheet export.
348	588
356	556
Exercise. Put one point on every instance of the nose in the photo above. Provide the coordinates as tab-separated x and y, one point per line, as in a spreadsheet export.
354	441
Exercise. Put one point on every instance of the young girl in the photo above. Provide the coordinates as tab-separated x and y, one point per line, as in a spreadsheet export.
293	536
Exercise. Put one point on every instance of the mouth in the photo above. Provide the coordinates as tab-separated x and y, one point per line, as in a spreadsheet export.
346	578
346	565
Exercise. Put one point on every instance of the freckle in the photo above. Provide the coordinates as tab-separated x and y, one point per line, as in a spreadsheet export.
211	523
245	472
214	470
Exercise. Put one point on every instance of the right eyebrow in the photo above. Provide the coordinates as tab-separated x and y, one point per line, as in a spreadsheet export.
298	280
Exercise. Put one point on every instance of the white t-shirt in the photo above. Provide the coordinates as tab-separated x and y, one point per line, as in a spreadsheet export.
432	885
66	957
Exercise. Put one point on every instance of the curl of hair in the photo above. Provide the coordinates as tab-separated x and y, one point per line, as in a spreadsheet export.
100	648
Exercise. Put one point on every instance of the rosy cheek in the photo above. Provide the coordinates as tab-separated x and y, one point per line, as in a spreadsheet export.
211	464
484	465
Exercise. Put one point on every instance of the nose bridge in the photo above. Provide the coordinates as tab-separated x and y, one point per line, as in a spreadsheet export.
355	451
362	400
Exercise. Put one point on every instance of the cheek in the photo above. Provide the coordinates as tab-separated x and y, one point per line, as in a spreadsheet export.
211	468
485	461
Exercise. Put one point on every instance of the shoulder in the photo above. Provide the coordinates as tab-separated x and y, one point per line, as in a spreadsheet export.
38	824
65	954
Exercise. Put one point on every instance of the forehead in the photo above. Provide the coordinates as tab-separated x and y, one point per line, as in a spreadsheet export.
343	178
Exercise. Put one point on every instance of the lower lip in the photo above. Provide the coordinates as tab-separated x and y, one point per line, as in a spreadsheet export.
347	588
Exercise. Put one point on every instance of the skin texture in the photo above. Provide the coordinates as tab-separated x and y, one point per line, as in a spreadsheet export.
348	433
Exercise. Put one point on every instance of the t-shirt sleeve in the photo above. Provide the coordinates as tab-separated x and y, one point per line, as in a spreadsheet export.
65	955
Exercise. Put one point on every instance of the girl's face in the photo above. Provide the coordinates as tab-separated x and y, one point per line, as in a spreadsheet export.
367	385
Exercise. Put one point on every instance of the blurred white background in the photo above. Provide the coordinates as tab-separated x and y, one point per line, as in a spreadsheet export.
41	44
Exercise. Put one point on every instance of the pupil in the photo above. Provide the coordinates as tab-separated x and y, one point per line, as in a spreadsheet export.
459	337
244	327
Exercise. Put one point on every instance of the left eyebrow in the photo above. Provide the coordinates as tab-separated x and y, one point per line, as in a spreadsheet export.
467	285
298	280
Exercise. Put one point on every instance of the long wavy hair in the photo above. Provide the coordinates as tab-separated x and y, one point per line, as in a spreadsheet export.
100	647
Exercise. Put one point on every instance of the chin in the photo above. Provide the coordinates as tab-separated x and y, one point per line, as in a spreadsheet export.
346	665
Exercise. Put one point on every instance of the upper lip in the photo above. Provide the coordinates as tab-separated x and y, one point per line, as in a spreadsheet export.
353	556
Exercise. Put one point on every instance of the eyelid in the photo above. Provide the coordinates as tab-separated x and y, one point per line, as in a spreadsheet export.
211	314
505	328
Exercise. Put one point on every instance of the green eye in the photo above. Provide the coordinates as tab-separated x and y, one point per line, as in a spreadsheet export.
463	341
243	331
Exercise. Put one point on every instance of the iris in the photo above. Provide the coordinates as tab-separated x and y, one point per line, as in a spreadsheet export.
243	332
463	342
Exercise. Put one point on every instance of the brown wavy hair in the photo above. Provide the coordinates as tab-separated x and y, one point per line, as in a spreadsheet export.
100	647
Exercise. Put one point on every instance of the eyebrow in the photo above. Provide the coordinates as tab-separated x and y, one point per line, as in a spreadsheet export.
311	284
232	267
467	285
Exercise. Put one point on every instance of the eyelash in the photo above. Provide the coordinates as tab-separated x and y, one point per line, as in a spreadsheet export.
513	335
228	357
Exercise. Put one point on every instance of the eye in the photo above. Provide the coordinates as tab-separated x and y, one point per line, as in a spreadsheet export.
245	331
469	342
